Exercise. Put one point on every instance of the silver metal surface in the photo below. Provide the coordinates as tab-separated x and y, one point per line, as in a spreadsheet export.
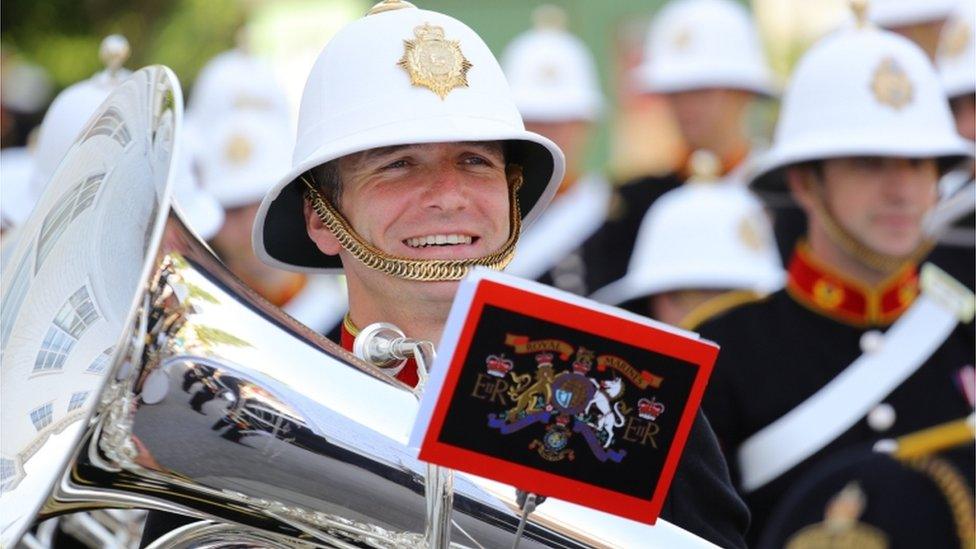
381	344
137	372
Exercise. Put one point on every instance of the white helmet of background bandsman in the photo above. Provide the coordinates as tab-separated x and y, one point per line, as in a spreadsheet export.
900	13
241	128
860	91
956	56
705	235
552	74
71	111
699	44
360	96
235	81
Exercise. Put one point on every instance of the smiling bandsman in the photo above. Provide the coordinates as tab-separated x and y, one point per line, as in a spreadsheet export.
412	166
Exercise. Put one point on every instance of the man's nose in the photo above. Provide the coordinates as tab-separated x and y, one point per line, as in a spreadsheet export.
445	189
900	180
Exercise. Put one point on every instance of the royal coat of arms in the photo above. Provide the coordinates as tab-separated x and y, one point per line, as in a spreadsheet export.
574	400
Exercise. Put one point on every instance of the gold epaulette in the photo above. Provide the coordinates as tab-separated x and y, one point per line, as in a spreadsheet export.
716	306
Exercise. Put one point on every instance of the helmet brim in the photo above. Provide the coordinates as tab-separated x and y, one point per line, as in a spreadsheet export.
769	175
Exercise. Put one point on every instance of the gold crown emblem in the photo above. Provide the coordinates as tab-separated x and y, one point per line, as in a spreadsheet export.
750	234
681	39
549	74
433	62
891	85
238	150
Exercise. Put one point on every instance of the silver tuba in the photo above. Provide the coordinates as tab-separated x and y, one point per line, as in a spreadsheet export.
137	372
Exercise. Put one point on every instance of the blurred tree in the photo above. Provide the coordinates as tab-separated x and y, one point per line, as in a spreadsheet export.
63	35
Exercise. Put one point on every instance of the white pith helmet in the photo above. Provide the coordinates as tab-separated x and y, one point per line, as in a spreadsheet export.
551	72
235	81
242	156
699	44
71	111
861	91
900	13
956	56
400	76
711	235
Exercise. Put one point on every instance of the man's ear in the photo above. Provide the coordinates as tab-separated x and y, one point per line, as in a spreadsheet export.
802	184
318	232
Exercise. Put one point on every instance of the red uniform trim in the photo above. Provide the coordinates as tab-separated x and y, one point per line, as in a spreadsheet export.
822	289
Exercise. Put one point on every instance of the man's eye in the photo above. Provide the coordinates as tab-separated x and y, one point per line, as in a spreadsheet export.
477	160
396	164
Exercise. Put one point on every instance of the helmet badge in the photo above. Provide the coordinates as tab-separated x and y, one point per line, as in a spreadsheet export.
238	150
891	85
434	62
681	40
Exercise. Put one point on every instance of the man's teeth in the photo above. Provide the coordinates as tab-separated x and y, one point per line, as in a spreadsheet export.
438	240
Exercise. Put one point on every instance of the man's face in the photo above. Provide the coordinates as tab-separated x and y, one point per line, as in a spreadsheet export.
709	116
427	201
964	111
879	201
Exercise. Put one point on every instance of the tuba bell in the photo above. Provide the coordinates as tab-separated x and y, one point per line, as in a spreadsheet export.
139	373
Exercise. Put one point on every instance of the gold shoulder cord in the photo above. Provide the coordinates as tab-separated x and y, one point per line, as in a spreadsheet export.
956	491
425	270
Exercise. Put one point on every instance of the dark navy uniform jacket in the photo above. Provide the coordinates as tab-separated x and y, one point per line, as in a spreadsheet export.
777	352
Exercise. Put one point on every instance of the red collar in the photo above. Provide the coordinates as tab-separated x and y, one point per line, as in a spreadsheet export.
348	334
827	292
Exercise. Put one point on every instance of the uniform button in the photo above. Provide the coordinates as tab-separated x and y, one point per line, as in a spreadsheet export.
885	446
872	341
881	417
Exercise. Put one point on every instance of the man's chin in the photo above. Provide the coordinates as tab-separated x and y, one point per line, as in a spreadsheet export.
442	291
898	247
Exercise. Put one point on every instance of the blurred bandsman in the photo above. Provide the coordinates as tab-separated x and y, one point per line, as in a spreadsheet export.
554	81
855	348
705	57
705	245
921	21
953	221
955	60
241	136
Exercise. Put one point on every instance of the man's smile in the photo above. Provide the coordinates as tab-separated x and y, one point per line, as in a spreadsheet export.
450	239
